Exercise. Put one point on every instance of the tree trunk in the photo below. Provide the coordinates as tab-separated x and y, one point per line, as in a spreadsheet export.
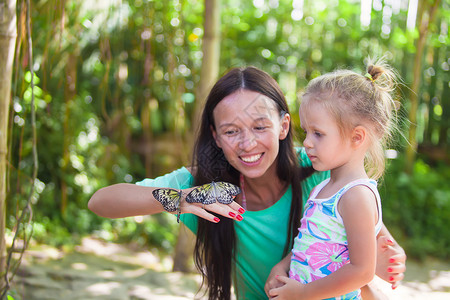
208	76
424	25
69	95
184	250
8	34
211	57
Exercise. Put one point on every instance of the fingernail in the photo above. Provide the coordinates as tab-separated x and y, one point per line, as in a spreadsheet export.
394	287
391	260
391	278
232	214
216	219
389	270
239	218
390	241
241	210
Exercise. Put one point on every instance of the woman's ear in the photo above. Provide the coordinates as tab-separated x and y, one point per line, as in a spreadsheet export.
285	121
359	136
214	134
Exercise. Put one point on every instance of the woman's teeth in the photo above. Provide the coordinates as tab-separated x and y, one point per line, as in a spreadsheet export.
251	159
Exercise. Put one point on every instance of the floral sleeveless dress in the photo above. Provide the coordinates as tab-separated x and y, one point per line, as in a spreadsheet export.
321	245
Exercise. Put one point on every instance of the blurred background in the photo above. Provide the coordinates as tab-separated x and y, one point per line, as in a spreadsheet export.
109	91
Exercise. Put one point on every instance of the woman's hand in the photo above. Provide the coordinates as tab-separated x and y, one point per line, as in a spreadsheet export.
391	260
232	210
280	269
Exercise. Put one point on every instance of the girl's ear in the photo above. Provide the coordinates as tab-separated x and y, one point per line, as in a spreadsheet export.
359	136
285	121
214	134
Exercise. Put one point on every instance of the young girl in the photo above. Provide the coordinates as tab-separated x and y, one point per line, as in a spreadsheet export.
347	119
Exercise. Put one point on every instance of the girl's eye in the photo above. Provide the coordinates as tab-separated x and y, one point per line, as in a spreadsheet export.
318	134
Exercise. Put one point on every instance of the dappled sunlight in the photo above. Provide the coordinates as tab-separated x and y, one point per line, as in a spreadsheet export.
103	289
102	270
135	273
79	266
106	274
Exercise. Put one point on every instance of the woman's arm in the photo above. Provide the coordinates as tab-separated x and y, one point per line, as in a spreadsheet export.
125	200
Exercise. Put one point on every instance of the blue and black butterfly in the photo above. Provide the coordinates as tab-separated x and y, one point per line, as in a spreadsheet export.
170	199
222	192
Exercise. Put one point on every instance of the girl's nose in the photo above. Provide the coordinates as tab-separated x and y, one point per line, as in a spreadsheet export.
307	142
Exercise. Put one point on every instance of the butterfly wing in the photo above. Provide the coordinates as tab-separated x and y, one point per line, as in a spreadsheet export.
225	192
222	192
169	198
200	195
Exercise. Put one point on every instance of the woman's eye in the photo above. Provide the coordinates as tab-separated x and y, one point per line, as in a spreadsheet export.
318	134
230	132
260	128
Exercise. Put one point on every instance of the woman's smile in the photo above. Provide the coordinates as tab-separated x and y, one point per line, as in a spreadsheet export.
251	159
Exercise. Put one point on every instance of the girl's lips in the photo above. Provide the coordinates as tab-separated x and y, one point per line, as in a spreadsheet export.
251	159
312	157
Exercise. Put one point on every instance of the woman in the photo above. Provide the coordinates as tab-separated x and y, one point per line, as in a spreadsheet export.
244	139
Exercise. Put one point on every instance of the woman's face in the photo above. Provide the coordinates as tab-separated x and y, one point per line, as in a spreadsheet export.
248	130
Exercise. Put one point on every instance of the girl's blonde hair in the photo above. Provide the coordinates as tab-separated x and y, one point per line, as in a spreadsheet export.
366	100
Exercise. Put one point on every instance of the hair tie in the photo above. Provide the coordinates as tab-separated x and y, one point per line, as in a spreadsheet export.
370	77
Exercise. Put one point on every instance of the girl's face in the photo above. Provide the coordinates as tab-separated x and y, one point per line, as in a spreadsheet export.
326	147
248	128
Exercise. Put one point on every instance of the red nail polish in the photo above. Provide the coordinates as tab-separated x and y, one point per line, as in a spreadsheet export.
394	287
390	241
232	214
239	218
391	278
216	219
241	210
389	270
391	260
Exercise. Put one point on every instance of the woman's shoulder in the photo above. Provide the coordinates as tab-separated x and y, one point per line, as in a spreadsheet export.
302	157
304	162
179	179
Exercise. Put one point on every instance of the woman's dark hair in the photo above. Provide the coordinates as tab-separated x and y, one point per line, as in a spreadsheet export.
214	251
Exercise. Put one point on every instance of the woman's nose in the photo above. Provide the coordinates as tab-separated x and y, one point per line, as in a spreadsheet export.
248	140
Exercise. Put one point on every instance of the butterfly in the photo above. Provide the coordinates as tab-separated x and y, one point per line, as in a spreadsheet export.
170	199
222	192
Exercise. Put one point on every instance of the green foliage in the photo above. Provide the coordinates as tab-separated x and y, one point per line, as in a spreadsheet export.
416	208
115	85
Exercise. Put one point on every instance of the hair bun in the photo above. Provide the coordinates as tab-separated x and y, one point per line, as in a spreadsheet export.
375	72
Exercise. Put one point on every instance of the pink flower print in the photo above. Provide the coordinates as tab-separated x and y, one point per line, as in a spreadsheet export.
314	277
299	257
294	276
334	256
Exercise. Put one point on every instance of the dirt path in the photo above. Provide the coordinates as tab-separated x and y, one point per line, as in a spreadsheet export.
98	270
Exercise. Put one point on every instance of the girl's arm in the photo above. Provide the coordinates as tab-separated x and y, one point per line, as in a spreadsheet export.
125	200
359	212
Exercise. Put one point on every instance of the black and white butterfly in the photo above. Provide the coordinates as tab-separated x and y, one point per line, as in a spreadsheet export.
170	199
222	192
